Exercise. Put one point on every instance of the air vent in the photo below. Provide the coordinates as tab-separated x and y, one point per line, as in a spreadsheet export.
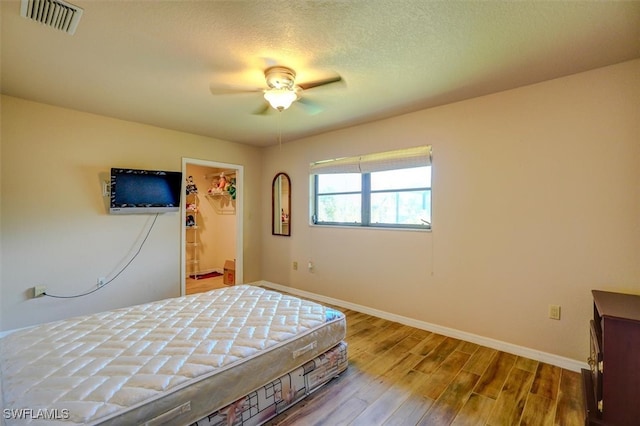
56	14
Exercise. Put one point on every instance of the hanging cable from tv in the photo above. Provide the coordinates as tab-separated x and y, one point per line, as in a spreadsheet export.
106	283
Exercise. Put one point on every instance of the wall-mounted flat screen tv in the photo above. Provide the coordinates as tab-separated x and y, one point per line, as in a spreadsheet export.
144	191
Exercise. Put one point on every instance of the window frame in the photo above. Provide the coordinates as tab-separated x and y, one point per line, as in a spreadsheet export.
365	199
314	214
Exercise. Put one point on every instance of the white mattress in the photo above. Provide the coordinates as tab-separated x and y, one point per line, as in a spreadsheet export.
173	360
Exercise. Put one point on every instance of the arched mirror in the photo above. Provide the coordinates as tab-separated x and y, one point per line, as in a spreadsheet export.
281	205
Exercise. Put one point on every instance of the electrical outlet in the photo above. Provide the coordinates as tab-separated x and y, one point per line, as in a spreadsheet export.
106	188
39	290
295	265
554	312
101	281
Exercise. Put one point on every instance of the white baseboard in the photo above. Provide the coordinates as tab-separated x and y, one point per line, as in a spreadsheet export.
559	361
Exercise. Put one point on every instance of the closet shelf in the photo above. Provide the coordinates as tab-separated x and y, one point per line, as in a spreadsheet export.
229	173
222	202
218	194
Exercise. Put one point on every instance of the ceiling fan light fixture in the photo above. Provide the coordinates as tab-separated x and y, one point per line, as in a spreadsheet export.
280	99
280	77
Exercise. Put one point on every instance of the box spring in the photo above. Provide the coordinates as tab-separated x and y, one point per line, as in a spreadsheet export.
277	396
175	361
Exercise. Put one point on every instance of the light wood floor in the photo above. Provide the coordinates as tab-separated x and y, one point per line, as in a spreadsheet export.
399	375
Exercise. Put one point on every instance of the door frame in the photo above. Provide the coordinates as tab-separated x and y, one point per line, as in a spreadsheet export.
239	218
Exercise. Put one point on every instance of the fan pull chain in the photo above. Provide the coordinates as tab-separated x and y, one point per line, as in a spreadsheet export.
280	129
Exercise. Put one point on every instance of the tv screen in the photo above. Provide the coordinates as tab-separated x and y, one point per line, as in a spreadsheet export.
144	191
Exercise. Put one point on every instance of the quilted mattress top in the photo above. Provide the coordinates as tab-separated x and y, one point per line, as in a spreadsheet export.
87	368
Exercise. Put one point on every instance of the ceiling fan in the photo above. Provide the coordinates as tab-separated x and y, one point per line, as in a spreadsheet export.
281	91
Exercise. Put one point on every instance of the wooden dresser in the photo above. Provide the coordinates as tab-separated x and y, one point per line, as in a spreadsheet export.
612	385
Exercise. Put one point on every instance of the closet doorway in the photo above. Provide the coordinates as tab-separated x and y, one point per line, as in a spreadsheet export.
211	237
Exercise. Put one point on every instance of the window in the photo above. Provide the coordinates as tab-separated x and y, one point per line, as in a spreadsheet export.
389	189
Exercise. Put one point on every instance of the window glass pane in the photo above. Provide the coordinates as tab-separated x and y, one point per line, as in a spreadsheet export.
406	208
417	177
339	182
339	208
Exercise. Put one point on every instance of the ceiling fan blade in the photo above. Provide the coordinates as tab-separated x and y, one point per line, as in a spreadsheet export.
227	89
263	110
323	82
310	107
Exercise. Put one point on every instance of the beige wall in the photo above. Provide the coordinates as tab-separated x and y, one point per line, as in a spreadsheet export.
536	201
55	227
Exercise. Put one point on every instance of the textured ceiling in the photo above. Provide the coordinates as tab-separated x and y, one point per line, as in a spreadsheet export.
154	61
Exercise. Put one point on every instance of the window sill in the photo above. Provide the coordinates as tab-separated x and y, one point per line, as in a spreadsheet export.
370	228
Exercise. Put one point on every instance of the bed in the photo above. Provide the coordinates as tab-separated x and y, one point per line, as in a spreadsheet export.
238	355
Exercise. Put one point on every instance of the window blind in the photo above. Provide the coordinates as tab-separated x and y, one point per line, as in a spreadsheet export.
390	160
